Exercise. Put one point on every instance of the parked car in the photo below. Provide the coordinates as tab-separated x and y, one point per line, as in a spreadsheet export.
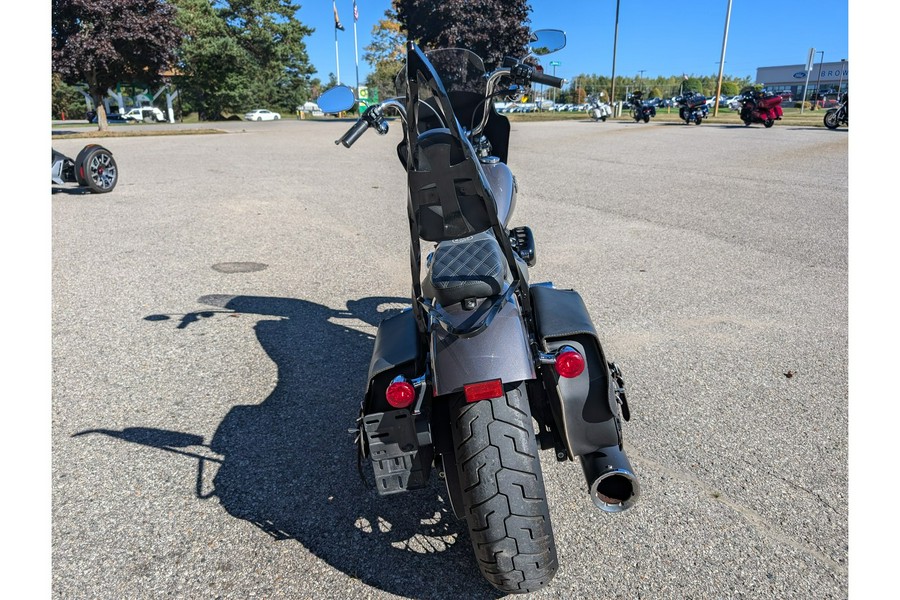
110	118
261	114
146	114
734	103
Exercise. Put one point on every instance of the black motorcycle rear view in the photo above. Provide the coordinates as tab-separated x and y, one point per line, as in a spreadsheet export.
457	382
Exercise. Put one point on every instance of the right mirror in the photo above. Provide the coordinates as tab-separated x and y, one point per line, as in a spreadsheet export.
337	99
547	41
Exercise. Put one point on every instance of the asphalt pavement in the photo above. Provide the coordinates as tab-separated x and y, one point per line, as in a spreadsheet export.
214	315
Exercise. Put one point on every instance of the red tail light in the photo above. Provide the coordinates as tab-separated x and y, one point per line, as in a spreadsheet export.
484	390
400	394
569	363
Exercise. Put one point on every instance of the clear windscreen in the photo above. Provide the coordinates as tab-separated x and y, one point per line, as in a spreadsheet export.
460	70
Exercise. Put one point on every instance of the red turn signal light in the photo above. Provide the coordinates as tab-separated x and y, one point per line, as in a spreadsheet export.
569	363
484	390
400	394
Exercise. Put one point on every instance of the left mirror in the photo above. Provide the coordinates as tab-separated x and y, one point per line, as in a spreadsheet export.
337	99
547	41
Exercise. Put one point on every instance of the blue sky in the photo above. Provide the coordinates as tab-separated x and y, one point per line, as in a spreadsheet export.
662	38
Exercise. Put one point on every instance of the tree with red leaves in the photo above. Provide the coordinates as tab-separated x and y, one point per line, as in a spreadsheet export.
104	42
491	29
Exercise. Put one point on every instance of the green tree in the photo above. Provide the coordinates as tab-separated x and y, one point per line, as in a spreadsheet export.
731	88
213	68
694	84
491	29
90	46
388	40
386	53
242	53
65	99
270	33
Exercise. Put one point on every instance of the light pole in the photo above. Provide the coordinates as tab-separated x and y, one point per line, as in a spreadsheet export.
722	61
641	78
615	43
819	79
841	80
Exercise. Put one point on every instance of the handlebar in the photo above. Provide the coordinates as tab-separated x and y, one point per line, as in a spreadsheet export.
353	133
550	80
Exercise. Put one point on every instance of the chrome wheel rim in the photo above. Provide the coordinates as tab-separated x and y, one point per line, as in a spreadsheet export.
102	171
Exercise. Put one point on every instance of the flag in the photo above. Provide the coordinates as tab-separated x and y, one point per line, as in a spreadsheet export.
337	21
355	12
685	76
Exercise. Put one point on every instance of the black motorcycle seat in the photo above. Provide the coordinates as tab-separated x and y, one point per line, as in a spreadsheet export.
471	267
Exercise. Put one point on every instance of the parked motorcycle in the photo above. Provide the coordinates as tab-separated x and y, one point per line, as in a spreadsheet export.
598	110
840	114
692	107
455	381
640	110
760	107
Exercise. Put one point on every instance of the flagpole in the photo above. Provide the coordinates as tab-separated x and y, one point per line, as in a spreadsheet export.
337	61
356	53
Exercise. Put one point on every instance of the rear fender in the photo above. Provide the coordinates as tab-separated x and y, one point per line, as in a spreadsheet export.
501	351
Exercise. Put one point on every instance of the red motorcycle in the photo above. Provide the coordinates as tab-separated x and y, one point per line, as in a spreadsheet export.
760	107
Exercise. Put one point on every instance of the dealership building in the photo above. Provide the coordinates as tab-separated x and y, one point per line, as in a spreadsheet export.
830	77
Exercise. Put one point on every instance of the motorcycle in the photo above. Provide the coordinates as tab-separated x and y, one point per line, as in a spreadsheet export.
760	107
692	107
840	114
640	110
597	110
457	381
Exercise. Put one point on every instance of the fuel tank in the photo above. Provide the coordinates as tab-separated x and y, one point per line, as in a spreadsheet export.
503	185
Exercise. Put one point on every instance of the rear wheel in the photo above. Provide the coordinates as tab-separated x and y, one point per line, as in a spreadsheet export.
646	119
502	490
769	122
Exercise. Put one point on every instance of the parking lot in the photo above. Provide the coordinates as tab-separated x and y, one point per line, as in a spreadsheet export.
213	319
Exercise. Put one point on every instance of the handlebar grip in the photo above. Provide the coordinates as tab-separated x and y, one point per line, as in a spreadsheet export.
550	80
354	133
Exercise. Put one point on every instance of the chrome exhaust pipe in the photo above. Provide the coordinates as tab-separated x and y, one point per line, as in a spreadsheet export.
610	478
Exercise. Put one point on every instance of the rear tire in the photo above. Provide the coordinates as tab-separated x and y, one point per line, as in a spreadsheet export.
646	119
769	122
503	495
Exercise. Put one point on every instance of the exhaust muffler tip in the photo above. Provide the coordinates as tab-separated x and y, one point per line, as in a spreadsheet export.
612	483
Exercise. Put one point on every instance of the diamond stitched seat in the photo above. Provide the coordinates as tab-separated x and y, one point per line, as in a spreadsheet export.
468	268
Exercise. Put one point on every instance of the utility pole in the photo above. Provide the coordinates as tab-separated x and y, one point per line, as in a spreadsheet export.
841	80
722	62
641	78
615	43
819	80
809	64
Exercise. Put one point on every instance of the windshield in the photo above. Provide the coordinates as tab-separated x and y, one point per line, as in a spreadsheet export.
460	70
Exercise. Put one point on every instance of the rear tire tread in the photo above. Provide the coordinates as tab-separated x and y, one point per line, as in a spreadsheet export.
503	493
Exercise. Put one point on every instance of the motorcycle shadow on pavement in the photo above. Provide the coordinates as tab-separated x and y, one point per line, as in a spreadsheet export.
289	464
